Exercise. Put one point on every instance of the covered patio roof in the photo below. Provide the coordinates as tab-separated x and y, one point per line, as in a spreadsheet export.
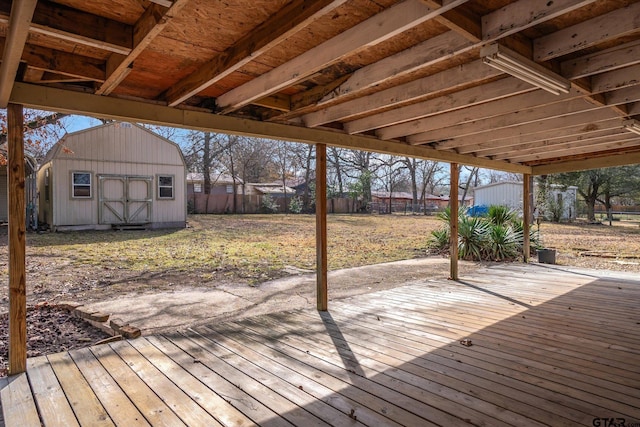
452	80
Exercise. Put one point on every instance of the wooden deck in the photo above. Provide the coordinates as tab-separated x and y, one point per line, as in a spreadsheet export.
549	347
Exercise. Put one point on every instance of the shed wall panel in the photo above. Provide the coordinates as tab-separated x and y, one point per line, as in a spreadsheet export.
126	150
505	194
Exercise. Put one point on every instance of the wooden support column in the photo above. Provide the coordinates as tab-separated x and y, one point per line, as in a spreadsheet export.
526	216
453	224
321	226
17	231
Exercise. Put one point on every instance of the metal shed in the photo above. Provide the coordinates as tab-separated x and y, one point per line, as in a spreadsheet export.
509	193
117	174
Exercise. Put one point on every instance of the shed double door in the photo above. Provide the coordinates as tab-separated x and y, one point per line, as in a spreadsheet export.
125	199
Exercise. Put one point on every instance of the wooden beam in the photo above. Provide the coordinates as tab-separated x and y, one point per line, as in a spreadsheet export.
616	79
289	20
593	163
426	54
154	19
484	139
573	145
17	241
527	197
19	21
547	138
275	102
513	104
453	222
65	23
67	64
524	14
631	141
465	98
53	99
457	77
375	30
568	112
321	227
610	26
610	59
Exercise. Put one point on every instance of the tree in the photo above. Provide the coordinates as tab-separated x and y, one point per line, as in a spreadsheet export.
620	181
590	184
392	173
42	130
431	175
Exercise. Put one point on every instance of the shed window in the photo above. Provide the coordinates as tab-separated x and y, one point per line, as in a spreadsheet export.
81	183
197	188
165	186
229	189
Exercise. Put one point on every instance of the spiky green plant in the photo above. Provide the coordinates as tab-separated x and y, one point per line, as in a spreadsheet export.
503	242
501	215
473	234
440	239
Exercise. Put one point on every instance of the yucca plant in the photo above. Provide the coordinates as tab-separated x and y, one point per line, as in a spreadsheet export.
501	215
503	242
440	239
473	233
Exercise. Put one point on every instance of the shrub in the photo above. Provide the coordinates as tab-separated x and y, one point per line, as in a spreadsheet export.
496	237
269	205
295	205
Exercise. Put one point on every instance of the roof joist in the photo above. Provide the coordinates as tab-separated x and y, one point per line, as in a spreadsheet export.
121	109
288	21
374	30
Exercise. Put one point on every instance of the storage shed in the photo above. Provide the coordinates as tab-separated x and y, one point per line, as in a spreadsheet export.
117	174
509	193
30	166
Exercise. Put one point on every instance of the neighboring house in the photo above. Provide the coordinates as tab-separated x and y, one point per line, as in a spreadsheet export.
117	174
31	193
221	183
274	189
509	193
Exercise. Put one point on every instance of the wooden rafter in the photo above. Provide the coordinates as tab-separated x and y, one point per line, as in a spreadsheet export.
149	26
49	98
418	57
19	22
542	139
610	59
63	63
576	147
537	99
567	112
60	22
597	30
288	21
590	163
465	98
524	14
448	80
375	30
487	139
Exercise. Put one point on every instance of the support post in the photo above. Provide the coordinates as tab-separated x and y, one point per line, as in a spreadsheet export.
526	216
17	247
453	224
321	226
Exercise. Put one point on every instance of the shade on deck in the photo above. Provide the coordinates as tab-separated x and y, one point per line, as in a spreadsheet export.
549	347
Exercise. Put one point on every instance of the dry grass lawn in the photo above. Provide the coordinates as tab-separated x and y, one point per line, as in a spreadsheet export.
254	248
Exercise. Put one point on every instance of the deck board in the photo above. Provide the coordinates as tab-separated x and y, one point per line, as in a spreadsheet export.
549	347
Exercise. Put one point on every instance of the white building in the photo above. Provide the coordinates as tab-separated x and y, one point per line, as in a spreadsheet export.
509	193
118	174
